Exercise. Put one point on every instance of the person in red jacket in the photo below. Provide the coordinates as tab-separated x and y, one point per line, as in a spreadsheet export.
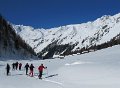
40	69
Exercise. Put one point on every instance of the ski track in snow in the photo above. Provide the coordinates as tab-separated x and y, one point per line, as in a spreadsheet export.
53	82
50	81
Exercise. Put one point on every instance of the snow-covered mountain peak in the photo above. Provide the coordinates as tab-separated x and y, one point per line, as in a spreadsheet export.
86	34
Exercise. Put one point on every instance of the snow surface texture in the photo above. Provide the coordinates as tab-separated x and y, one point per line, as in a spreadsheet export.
100	69
86	34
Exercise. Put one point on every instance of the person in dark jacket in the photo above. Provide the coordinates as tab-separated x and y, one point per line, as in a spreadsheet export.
8	69
40	69
31	70
16	65
26	68
20	65
13	66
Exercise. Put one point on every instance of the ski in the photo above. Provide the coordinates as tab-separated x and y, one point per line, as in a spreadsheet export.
51	75
36	76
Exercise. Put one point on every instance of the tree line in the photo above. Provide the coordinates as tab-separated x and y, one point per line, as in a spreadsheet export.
9	37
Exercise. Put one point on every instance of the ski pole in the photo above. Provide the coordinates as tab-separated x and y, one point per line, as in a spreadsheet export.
47	71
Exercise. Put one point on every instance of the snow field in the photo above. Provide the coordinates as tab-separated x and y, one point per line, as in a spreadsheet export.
100	69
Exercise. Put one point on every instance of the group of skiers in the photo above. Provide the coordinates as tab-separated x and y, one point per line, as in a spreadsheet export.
16	65
27	67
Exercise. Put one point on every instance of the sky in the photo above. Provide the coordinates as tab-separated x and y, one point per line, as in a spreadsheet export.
54	13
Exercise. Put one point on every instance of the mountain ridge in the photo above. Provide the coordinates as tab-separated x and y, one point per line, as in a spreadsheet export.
75	36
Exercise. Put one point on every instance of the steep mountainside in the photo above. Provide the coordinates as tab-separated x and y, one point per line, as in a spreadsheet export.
70	38
11	45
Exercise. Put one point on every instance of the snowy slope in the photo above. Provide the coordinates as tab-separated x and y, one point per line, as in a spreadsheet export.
86	34
98	69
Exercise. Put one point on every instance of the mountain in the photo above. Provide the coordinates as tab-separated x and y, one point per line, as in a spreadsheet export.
11	45
69	39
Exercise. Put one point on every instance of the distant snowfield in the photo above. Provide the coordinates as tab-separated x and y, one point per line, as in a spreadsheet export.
100	69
